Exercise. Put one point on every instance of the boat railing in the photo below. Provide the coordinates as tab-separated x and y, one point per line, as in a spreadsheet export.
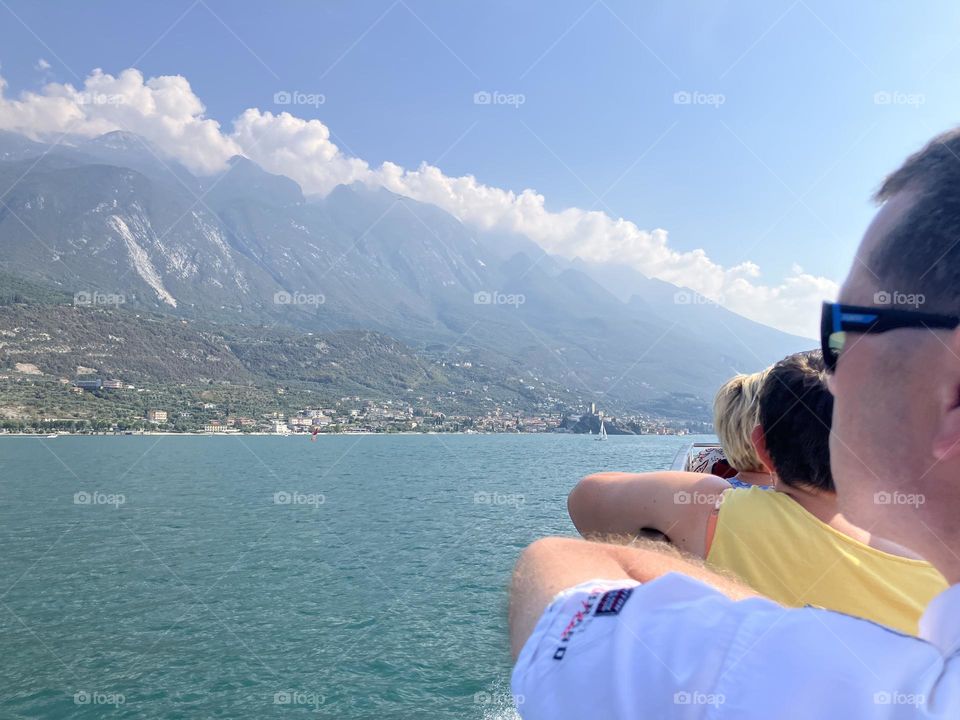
680	459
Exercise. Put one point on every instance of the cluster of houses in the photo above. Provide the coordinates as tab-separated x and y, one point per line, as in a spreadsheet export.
100	384
352	414
370	416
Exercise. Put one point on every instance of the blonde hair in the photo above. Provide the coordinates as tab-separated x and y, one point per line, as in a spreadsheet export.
736	411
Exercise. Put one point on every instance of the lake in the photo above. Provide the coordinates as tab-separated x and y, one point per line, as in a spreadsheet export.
251	577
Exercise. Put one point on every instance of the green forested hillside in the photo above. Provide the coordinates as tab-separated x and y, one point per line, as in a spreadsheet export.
241	369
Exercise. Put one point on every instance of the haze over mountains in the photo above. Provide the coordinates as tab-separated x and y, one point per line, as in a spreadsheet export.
109	218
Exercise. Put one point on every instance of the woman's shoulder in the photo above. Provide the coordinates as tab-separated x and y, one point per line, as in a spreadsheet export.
759	506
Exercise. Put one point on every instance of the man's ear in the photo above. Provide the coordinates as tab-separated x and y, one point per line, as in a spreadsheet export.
946	443
760	445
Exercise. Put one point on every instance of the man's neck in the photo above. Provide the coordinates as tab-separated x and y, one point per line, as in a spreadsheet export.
941	549
950	571
824	506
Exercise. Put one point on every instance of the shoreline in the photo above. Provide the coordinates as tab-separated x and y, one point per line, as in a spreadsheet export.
159	433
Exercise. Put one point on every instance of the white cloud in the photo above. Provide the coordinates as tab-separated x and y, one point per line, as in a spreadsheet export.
166	112
163	110
298	148
42	65
793	304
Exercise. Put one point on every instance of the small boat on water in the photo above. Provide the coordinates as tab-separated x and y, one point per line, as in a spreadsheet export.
603	432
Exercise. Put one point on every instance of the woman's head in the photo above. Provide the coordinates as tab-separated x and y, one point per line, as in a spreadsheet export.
736	412
796	412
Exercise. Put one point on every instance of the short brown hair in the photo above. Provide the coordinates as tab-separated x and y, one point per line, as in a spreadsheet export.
735	413
920	255
796	409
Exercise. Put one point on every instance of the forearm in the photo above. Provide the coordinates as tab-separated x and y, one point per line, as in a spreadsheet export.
552	565
675	504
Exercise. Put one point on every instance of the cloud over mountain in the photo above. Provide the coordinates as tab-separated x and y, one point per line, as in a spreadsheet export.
167	112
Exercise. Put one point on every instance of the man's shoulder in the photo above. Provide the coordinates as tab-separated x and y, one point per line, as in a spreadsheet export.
676	641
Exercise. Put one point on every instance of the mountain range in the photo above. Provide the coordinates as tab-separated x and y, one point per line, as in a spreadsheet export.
110	221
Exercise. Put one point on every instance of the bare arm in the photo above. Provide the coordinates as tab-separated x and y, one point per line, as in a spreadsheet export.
552	565
676	504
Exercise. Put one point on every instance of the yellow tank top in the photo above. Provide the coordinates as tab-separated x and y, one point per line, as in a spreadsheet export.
782	551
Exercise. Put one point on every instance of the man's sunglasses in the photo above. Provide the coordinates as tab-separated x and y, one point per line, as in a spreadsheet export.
837	320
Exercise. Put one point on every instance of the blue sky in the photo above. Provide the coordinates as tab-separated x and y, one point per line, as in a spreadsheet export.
778	174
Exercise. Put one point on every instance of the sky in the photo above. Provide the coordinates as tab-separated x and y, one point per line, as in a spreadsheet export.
728	146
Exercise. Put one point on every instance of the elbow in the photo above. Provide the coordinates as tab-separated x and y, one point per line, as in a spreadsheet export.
537	552
582	502
541	560
537	577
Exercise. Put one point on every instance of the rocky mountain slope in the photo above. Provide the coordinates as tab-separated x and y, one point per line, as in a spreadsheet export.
107	218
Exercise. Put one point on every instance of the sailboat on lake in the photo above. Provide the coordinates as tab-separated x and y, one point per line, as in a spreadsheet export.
603	432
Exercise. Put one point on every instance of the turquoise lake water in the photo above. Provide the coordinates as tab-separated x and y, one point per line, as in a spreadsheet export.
229	577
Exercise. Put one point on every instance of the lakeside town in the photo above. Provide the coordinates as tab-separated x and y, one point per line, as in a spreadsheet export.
347	414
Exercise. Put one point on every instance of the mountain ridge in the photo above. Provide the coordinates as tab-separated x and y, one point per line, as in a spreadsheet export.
247	248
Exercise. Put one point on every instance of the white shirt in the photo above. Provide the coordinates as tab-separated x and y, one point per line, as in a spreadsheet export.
676	648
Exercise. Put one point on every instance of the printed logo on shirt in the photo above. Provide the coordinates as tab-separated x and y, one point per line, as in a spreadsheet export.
576	624
612	602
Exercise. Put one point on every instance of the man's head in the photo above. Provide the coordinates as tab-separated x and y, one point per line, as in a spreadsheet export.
895	446
793	435
735	411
